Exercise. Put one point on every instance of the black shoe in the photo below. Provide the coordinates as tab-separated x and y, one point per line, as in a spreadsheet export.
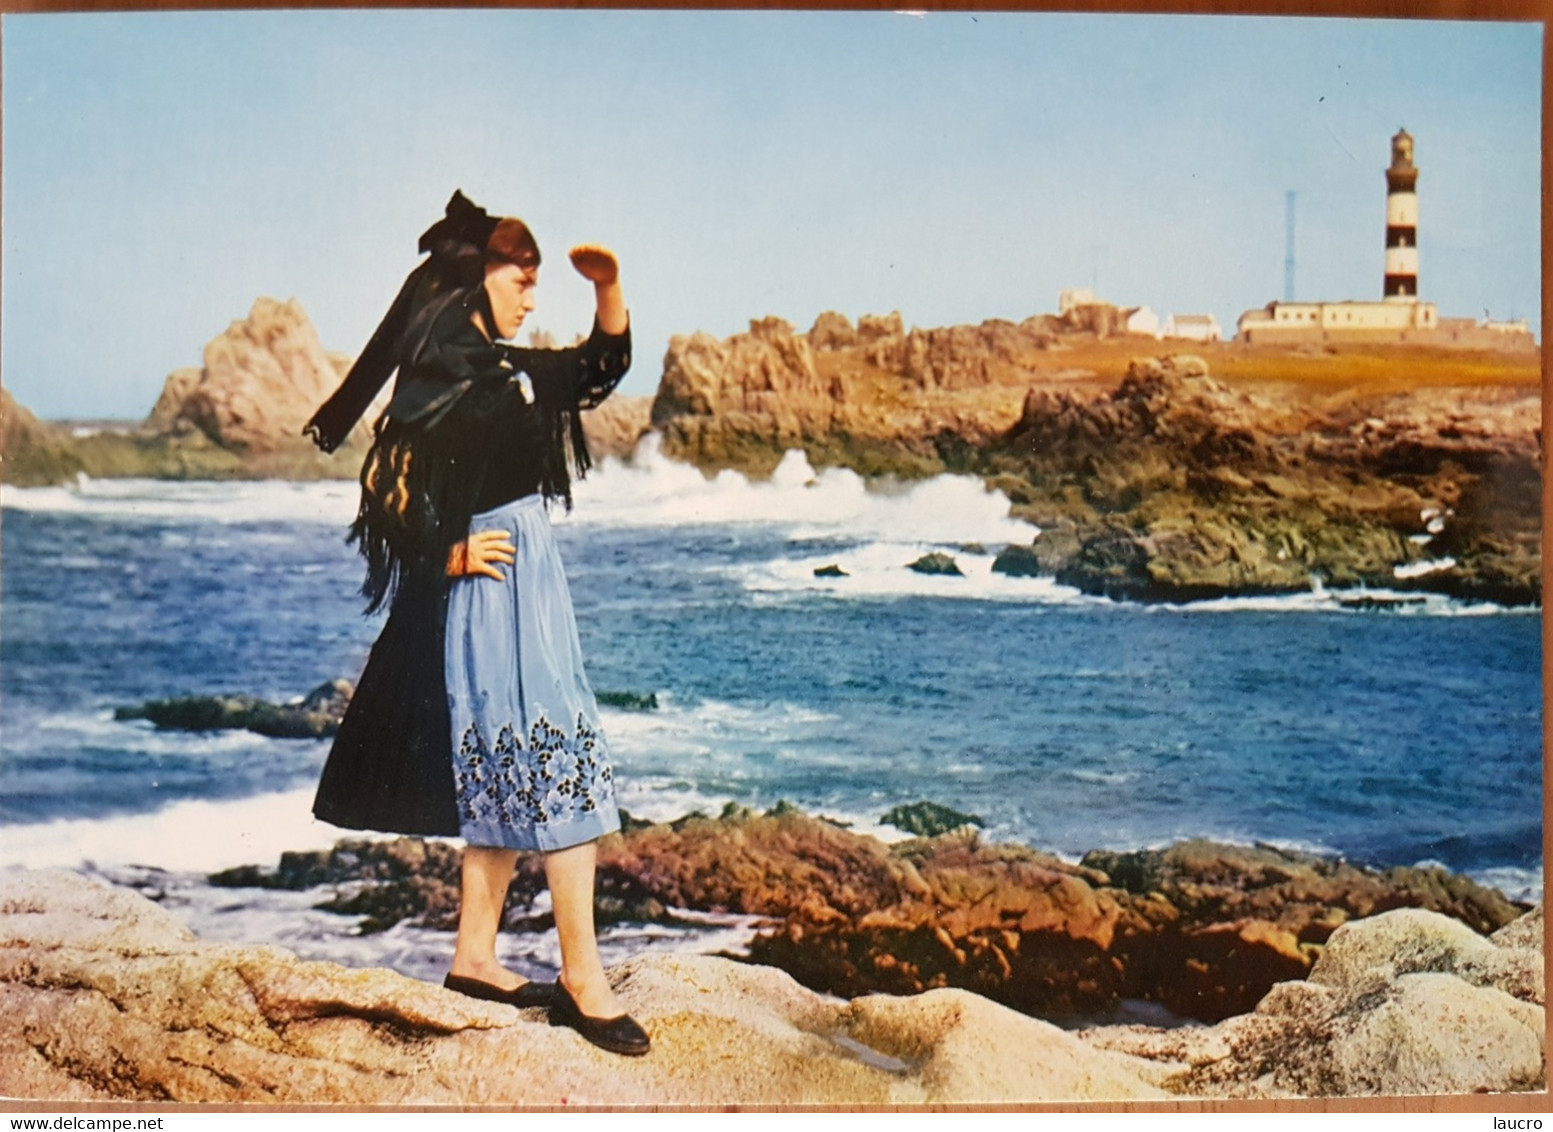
618	1035
523	995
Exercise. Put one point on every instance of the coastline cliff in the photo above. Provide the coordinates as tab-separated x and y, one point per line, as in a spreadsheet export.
1151	475
1154	476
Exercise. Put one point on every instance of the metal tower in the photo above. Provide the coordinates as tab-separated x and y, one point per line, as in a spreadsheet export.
1288	247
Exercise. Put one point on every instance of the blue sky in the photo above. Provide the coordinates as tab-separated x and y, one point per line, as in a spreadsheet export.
162	170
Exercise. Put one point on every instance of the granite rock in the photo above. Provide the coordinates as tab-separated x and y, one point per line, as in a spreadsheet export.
103	996
1406	1002
1201	928
262	379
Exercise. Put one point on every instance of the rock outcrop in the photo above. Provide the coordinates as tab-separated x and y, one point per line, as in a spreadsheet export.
615	427
32	452
1407	1002
316	716
875	397
1188	489
752	393
1163	483
240	415
261	381
1201	928
104	996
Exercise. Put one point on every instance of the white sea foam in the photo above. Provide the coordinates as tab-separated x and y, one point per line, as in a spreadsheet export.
1103	777
1228	835
665	798
332	502
677	726
1521	885
100	729
1318	599
1419	569
186	836
887	524
293	921
652	490
699	757
688	757
710	739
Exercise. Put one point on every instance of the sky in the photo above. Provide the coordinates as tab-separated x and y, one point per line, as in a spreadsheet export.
163	170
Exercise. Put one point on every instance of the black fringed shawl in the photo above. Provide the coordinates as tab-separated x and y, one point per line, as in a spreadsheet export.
463	435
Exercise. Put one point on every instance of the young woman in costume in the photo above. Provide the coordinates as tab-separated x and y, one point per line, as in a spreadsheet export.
474	716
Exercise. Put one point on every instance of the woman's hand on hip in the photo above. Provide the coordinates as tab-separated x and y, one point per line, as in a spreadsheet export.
480	553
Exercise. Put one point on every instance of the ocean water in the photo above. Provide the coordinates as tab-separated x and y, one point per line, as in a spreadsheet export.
1063	721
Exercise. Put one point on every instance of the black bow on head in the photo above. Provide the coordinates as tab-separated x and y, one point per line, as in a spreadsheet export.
456	244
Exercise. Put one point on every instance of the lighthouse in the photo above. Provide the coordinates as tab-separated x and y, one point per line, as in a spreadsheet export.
1401	222
1398	315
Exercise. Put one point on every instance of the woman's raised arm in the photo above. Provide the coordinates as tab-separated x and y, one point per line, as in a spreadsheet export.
598	265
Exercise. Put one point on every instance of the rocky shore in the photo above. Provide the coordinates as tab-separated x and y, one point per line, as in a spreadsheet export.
1154	476
1203	929
105	996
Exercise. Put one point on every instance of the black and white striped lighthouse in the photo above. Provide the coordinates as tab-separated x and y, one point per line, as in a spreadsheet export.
1402	221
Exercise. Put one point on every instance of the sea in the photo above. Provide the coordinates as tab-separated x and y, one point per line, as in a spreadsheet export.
1387	733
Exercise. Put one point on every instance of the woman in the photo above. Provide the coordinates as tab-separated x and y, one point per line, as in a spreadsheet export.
474	716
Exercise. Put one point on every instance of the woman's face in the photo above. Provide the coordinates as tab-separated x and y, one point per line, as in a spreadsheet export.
511	289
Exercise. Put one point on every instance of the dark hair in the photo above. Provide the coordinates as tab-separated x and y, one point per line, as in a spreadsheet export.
512	242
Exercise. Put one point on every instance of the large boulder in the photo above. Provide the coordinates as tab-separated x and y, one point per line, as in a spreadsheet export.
615	427
105	997
1407	1002
262	379
1369	954
754	394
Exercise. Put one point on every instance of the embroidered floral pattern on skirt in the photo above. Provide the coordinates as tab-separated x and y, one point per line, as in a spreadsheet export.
530	764
552	777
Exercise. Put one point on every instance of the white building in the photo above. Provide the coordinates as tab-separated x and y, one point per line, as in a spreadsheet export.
1519	328
1305	322
1141	320
1197	327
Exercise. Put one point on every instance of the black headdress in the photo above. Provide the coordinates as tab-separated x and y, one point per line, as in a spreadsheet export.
456	244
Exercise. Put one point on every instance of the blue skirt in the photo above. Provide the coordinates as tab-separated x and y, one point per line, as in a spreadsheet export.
530	766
